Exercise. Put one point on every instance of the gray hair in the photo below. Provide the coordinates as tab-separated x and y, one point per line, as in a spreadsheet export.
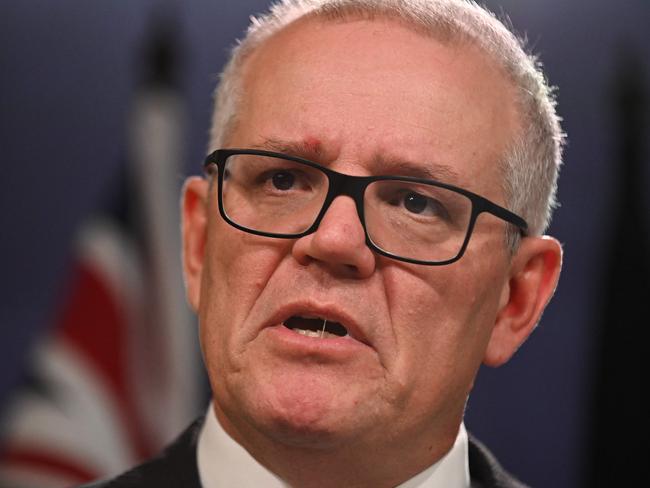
530	166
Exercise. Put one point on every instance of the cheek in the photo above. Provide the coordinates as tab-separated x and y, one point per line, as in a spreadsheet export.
441	316
237	272
425	302
240	265
433	315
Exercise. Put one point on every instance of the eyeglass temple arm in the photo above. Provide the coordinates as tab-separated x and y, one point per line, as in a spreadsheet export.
503	213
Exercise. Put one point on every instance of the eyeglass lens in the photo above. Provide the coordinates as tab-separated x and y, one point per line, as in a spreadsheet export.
411	220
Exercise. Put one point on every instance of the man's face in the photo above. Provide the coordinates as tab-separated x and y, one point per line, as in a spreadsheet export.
361	97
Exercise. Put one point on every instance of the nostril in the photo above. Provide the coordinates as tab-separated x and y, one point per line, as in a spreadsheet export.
352	268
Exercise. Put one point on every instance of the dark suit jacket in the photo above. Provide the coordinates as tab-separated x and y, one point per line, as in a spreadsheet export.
176	467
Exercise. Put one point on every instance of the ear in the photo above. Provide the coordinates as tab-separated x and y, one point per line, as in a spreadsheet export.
534	273
194	203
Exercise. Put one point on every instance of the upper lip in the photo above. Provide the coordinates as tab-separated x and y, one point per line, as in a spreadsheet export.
329	312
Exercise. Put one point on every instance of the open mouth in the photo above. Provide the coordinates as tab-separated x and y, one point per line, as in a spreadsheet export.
315	327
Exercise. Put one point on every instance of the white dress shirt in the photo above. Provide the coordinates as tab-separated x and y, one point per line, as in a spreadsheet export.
223	463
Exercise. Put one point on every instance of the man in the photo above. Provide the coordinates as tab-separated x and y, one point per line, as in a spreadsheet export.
348	277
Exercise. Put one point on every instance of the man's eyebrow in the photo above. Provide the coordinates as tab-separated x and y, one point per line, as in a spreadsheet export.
305	149
426	170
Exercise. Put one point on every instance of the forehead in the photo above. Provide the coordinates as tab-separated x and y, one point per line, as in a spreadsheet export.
377	90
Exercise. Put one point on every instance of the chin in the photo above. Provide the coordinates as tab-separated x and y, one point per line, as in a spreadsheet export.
307	416
303	432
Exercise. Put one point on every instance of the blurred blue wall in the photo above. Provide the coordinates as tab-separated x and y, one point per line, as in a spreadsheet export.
67	74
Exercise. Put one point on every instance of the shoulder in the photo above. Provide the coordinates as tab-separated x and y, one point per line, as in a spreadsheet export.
485	470
175	466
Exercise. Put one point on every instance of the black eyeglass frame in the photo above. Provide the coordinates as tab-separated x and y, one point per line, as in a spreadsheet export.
355	187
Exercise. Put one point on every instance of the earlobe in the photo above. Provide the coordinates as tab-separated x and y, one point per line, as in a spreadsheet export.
194	202
535	270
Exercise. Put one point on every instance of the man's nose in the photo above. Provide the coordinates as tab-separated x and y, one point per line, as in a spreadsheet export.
339	243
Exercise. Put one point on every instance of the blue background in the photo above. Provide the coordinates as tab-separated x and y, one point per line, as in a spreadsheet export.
68	71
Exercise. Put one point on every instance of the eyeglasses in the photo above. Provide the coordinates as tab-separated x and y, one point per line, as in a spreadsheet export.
405	218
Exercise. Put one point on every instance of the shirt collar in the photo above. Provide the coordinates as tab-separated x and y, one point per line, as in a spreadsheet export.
224	463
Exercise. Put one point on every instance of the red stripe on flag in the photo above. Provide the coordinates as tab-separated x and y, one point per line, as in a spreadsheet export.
95	323
44	462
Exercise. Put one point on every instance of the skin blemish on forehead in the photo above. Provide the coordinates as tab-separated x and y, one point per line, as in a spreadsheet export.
313	144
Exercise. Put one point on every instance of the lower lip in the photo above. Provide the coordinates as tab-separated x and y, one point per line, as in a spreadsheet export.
326	346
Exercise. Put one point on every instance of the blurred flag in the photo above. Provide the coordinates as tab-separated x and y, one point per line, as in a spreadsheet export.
118	377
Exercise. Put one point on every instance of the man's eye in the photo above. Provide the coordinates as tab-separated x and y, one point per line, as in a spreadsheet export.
425	206
283	180
415	203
